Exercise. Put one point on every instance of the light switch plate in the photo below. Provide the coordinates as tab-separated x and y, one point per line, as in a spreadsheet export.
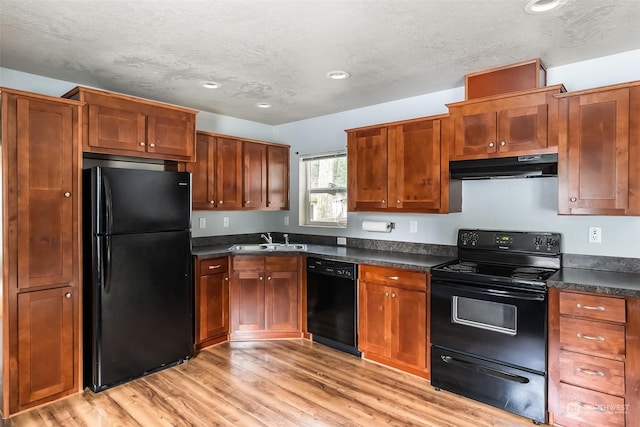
225	221
413	226
286	220
341	241
202	222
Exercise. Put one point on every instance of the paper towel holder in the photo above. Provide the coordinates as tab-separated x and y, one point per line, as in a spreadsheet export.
378	226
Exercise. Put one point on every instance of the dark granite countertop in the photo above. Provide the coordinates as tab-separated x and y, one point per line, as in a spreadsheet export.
598	281
420	262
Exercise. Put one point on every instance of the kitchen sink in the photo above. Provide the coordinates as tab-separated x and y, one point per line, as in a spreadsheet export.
269	247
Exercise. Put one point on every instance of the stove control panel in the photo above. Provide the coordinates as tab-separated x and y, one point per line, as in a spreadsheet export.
510	241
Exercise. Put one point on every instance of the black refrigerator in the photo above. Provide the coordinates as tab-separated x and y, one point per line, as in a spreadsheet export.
138	298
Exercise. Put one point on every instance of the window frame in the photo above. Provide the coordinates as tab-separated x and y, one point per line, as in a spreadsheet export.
305	203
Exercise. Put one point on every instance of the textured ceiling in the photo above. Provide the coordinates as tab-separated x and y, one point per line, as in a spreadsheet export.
279	51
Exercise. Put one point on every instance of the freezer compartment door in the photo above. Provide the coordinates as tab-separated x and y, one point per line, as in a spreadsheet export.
138	201
143	310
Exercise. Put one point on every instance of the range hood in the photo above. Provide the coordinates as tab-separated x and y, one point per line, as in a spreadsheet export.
505	167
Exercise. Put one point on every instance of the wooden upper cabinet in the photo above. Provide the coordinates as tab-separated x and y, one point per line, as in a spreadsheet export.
232	173
46	193
505	125
599	151
217	172
123	125
277	177
399	167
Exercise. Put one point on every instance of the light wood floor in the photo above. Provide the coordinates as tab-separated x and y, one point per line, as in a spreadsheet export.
270	383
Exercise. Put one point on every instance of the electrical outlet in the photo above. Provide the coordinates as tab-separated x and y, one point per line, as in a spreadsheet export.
286	220
202	222
342	241
595	235
225	221
413	226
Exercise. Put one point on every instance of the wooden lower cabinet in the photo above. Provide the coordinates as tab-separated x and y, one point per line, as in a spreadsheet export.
393	318
211	301
265	296
594	356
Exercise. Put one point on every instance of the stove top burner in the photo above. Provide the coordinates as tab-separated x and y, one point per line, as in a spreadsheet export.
489	272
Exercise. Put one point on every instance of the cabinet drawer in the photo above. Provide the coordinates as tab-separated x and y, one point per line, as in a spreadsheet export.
589	408
281	263
595	373
595	307
587	336
394	277
212	266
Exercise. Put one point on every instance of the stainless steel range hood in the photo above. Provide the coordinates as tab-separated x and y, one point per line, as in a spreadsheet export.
505	167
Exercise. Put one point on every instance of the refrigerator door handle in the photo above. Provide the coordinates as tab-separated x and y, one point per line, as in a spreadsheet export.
107	266
108	203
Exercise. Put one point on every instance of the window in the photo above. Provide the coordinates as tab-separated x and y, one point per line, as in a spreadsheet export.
323	180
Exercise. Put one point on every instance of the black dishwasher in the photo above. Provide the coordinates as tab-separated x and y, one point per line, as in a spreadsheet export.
332	315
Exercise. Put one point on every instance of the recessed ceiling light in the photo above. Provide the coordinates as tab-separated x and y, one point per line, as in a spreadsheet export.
263	105
542	6
338	75
212	85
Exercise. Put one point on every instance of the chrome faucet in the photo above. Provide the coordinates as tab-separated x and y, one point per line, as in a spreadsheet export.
267	238
286	238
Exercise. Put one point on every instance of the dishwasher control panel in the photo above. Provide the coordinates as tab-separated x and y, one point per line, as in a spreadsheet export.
332	268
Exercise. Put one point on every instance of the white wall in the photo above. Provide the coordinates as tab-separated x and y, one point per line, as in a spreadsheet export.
513	204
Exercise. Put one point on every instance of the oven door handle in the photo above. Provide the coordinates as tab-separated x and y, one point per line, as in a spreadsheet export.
528	296
484	369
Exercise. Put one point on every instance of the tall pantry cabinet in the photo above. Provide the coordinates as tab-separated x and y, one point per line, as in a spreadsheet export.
40	261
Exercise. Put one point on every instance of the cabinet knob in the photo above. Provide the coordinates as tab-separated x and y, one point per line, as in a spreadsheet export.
398	201
220	202
142	144
502	143
261	278
212	202
382	201
67	194
152	145
386	294
268	277
226	278
573	199
491	144
67	295
393	294
246	202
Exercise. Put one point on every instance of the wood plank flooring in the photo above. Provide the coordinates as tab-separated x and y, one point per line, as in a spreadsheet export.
270	383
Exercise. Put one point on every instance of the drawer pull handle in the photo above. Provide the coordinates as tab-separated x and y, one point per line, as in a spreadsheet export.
590	372
213	267
391	277
589	337
590	307
599	408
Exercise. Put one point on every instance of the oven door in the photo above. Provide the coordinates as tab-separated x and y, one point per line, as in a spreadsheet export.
489	321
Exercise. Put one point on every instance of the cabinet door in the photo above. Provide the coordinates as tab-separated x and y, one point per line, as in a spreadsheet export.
414	167
281	305
116	124
229	173
594	157
408	326
46	344
368	162
373	333
46	193
523	128
171	134
278	177
247	299
203	173
475	133
254	180
213	306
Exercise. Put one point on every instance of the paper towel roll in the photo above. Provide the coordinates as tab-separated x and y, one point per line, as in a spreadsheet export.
378	226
